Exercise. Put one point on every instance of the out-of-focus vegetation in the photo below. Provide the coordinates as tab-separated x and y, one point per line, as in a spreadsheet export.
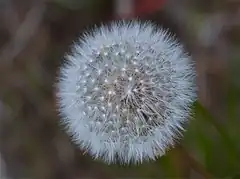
34	35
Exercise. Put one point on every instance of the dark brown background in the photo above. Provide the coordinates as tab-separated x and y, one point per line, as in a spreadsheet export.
34	35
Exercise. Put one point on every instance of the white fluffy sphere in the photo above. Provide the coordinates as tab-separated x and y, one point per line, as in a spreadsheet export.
126	91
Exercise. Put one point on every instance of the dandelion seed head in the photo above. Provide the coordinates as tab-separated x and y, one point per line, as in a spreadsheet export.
126	92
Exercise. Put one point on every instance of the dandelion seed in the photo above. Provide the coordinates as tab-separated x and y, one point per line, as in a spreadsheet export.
137	108
123	69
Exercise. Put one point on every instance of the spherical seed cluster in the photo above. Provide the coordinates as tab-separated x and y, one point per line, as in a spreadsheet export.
125	92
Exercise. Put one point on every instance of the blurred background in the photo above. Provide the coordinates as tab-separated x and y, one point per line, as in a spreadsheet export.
35	34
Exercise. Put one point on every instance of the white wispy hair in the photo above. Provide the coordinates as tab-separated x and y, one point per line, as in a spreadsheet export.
125	91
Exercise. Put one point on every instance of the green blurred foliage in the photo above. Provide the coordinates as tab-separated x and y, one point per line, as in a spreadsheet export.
215	144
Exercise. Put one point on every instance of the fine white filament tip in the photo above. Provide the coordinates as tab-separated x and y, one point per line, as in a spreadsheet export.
126	91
